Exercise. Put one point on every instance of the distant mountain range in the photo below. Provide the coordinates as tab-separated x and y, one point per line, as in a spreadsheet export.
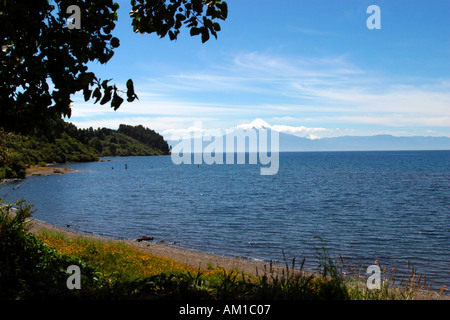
288	142
363	143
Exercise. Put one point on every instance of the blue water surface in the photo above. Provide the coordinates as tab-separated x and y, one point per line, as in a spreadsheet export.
392	206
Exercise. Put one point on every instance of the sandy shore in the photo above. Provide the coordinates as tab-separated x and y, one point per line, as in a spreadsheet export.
190	257
185	256
194	258
47	171
40	171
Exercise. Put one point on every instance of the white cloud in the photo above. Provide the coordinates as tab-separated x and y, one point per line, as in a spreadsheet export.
299	131
312	137
291	91
293	130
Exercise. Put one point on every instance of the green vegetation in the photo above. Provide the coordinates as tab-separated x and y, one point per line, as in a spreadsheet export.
38	49
70	144
28	268
26	150
44	63
35	267
126	141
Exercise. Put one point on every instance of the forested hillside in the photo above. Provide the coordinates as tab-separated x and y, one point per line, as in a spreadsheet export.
67	143
126	141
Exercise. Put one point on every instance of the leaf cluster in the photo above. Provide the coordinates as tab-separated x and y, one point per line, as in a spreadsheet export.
110	92
168	17
44	62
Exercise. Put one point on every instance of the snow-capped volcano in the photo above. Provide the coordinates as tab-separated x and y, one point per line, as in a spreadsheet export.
302	138
300	131
258	123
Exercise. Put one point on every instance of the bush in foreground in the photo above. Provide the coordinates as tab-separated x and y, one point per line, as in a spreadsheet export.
35	267
29	269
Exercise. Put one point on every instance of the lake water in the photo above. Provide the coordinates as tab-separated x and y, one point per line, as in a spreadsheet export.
390	206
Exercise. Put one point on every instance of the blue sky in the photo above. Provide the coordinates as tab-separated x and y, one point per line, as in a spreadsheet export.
311	68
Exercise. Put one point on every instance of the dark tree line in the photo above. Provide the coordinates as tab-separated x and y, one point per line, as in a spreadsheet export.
146	136
94	137
67	143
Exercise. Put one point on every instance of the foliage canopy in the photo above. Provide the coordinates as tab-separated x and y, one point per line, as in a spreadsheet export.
43	62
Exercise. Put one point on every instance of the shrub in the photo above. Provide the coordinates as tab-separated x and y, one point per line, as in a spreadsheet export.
28	268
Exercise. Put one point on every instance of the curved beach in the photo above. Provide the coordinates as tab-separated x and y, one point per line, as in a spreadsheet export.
185	256
190	257
194	258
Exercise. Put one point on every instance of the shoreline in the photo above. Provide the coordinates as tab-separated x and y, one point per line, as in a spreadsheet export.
47	171
186	256
191	257
196	259
38	171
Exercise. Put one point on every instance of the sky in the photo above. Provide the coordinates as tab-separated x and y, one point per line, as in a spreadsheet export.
310	68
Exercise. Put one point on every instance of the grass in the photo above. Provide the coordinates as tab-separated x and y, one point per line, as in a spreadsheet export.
34	266
114	259
120	263
407	287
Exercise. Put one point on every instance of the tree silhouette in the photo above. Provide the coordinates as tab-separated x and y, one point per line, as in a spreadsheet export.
44	59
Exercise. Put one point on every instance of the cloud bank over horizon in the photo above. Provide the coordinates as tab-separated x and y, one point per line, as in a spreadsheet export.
311	69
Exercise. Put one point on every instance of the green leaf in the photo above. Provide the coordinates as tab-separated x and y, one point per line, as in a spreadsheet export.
116	101
205	35
208	23
211	11
105	84
197	5
131	95
224	8
180	17
195	31
130	85
86	79
97	94
115	42
107	96
87	94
